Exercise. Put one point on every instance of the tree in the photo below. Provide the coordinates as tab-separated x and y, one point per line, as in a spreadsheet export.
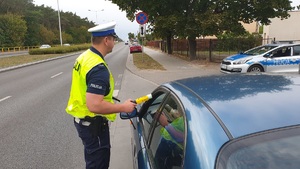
194	18
67	38
158	13
165	28
79	34
32	37
47	36
41	23
17	7
130	36
12	30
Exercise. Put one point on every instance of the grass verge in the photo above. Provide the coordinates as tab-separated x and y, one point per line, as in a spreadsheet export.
23	59
141	61
144	61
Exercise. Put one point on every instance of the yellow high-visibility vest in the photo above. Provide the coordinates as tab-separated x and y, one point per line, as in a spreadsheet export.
178	125
77	101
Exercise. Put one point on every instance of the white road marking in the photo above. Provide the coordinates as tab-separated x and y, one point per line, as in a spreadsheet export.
116	93
5	98
117	83
56	75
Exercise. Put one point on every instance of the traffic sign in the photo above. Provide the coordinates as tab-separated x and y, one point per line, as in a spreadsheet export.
142	30
141	18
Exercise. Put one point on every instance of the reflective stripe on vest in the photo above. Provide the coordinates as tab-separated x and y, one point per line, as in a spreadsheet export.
177	125
77	101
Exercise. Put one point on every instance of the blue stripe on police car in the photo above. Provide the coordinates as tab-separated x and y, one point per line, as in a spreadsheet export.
235	57
276	62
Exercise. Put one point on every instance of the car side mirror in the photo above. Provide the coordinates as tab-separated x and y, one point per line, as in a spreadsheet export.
268	55
125	116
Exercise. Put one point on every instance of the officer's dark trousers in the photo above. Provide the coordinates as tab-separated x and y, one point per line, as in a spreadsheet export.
96	141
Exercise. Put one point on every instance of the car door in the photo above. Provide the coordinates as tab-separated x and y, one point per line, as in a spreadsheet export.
163	129
167	141
296	56
144	126
283	60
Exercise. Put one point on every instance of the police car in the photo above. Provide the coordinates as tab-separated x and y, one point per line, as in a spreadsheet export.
265	58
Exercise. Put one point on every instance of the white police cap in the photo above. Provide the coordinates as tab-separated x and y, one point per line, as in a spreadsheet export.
107	29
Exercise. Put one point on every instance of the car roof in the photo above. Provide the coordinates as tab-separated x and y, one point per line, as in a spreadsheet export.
246	103
282	44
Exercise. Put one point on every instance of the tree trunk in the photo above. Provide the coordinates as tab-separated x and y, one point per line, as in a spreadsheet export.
192	47
169	44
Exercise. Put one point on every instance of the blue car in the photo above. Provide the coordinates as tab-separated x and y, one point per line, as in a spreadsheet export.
241	121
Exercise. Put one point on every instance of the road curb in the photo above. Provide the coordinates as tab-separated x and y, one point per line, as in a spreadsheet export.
37	62
133	69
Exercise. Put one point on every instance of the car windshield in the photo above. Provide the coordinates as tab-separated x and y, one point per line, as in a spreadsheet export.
259	50
274	150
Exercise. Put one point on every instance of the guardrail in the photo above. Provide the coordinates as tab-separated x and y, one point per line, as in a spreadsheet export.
15	49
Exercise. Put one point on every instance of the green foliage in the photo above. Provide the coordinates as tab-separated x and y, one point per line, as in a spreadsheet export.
12	30
41	25
232	42
59	49
17	7
131	36
67	37
32	37
191	19
79	34
47	36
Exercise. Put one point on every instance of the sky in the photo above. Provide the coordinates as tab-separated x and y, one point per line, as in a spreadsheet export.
98	11
101	11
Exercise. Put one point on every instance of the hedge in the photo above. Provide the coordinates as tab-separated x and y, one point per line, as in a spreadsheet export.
59	49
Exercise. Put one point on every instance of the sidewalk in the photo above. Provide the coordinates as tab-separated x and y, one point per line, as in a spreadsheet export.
176	68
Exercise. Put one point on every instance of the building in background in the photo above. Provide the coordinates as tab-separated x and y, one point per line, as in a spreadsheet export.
249	27
287	30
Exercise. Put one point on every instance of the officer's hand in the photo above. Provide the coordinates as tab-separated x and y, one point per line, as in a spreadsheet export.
162	119
128	106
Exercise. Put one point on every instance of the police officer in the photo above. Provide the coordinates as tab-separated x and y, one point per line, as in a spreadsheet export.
91	97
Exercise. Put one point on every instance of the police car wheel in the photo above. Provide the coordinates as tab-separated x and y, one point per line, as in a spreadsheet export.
255	68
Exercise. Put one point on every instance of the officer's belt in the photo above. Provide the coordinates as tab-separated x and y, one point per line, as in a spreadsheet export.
84	123
88	120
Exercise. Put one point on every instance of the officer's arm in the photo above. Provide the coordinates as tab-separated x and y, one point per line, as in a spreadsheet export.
96	104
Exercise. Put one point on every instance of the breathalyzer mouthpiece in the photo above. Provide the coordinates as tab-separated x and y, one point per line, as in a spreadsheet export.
143	99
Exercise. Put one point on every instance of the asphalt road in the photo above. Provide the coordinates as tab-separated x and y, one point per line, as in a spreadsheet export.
35	130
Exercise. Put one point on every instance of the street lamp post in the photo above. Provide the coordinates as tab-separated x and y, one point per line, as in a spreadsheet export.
96	14
59	24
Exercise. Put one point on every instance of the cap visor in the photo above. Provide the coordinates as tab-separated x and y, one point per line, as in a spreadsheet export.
115	35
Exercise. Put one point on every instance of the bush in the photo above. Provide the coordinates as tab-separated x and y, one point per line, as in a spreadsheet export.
59	49
238	43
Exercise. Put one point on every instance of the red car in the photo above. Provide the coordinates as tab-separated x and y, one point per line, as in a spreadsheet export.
135	48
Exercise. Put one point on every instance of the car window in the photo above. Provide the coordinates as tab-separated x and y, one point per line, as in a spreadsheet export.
282	52
259	50
269	150
167	141
147	119
296	50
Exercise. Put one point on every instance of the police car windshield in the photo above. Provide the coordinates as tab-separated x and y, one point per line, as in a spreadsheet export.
259	50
